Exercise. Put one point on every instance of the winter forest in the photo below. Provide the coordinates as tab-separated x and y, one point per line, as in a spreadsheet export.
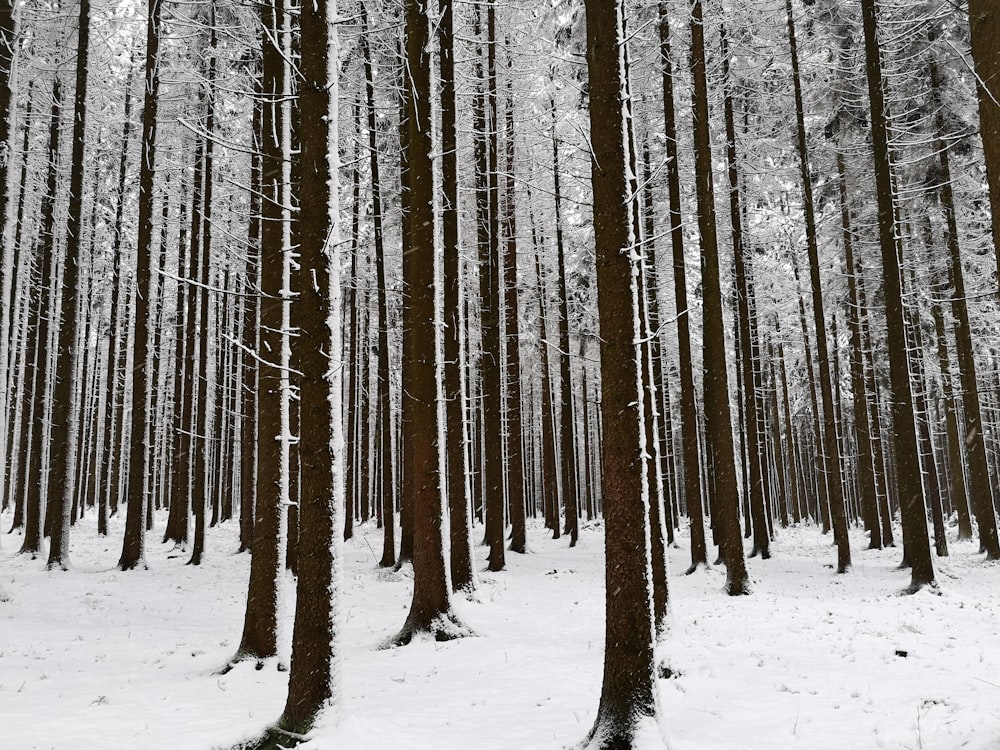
433	375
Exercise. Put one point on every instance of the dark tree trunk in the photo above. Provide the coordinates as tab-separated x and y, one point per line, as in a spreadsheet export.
202	438
384	420
907	466
431	608
550	493
314	678
688	404
407	490
719	432
134	545
567	436
251	325
831	446
628	697
259	639
859	395
490	314
748	364
515	437
35	499
65	413
463	576
984	25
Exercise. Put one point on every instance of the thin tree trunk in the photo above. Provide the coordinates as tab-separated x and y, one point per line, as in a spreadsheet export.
719	432
915	537
688	403
134	544
567	437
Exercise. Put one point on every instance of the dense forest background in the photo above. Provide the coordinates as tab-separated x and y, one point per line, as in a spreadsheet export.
220	218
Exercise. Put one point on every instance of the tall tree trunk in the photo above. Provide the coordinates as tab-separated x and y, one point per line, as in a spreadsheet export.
515	436
65	412
490	314
35	499
259	639
688	406
719	432
831	446
431	607
859	395
384	420
567	433
752	417
249	428
550	493
9	29
134	545
629	702
984	26
907	475
314	678
463	575
202	438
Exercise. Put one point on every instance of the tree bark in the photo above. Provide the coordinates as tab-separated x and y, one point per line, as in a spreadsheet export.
907	468
688	402
629	701
718	422
134	545
431	607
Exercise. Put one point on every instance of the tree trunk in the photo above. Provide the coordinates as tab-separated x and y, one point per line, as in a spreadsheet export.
984	26
688	405
515	436
907	467
134	545
463	575
831	446
314	677
567	436
431	607
259	639
859	395
384	420
629	704
202	438
719	432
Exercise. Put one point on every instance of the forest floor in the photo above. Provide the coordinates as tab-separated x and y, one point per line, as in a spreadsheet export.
96	658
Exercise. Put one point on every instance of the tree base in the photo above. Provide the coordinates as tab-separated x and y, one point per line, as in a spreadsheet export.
695	567
274	738
442	628
641	733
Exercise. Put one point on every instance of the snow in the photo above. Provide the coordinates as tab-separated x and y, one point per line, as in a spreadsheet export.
95	657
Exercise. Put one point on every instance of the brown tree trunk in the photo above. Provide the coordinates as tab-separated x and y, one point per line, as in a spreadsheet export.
431	607
831	445
567	433
859	395
515	436
313	681
202	438
259	638
719	432
984	25
384	420
752	417
628	698
463	576
907	468
688	402
133	547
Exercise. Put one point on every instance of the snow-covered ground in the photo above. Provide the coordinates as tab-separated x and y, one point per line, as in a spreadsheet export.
96	658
